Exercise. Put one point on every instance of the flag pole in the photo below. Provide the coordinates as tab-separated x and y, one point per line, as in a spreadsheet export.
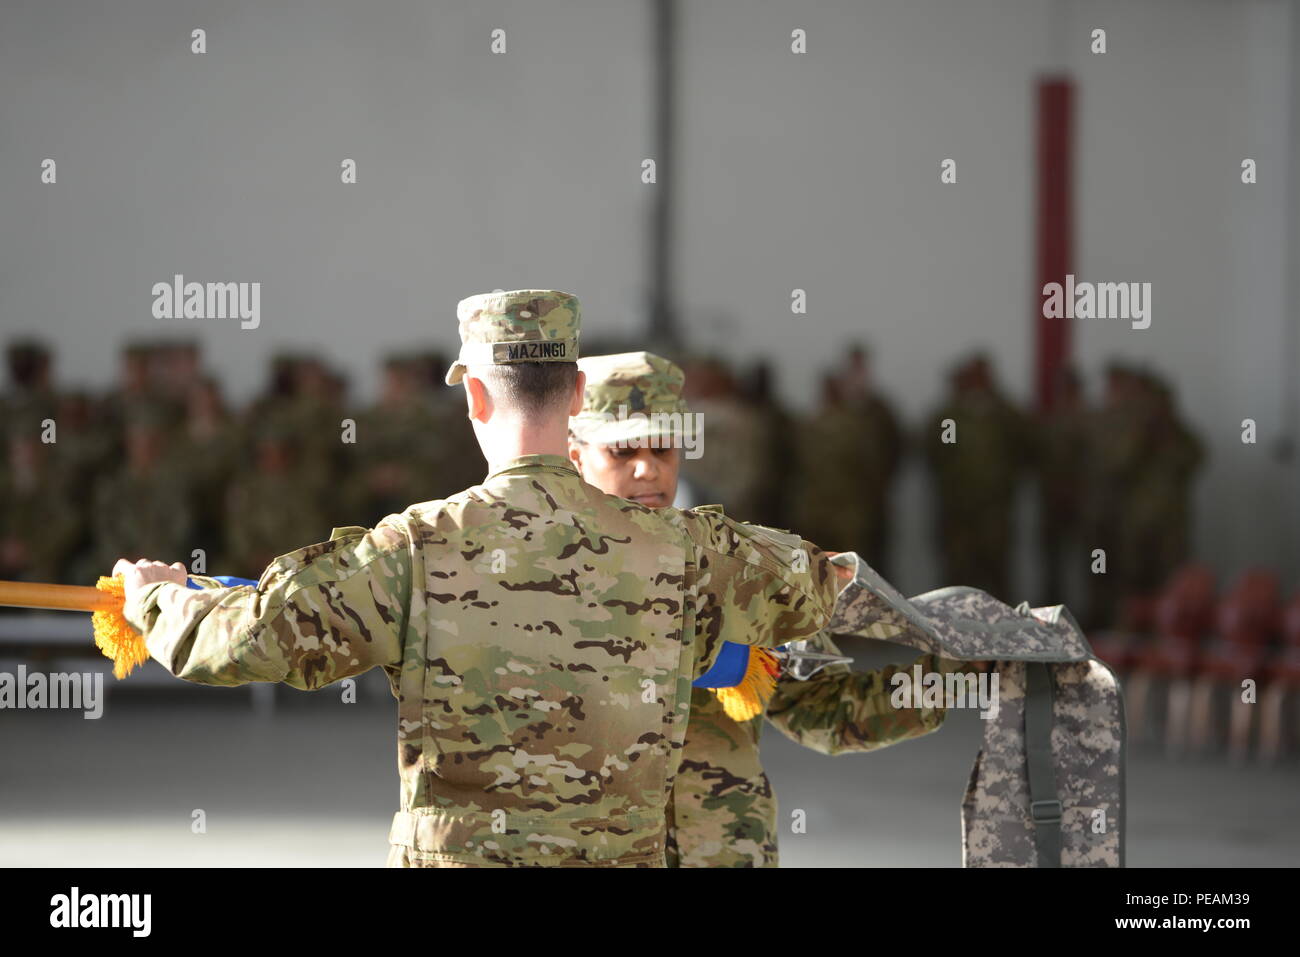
59	597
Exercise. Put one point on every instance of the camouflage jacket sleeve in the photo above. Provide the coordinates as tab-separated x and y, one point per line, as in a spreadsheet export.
322	613
756	585
840	711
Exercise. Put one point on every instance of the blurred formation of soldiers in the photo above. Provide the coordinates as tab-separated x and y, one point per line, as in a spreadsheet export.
161	466
827	474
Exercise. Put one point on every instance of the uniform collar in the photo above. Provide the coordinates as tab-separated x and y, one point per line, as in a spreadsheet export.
533	463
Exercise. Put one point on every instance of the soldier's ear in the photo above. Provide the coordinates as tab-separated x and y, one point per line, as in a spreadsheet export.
477	400
579	389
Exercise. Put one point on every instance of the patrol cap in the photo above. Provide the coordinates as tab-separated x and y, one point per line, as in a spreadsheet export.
524	325
618	386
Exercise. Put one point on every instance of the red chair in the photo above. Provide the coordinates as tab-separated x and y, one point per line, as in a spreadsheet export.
1281	682
1181	616
1247	622
1117	648
1184	606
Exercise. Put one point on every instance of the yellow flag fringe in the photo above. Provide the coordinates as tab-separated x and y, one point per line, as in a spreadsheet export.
749	699
114	635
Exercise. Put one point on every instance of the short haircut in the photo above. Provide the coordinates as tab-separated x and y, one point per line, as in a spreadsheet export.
530	387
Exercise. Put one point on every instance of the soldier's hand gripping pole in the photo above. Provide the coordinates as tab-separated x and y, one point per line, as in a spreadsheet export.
114	635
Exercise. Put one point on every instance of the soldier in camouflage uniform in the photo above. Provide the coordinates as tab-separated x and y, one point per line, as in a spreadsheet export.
1116	435
1155	527
539	635
30	395
315	416
723	809
881	435
847	454
174	366
208	449
144	507
278	500
456	460
735	469
1062	458
777	425
397	443
39	525
975	478
135	394
828	507
303	396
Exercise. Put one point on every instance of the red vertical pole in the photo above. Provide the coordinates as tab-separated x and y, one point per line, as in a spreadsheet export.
1055	229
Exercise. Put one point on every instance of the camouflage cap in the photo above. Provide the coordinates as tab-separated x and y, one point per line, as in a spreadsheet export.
618	386
524	325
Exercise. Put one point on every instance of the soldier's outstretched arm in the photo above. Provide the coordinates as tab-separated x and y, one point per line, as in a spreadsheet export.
840	711
757	585
322	613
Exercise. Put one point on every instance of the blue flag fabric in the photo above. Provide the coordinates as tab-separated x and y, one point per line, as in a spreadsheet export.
728	668
228	581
